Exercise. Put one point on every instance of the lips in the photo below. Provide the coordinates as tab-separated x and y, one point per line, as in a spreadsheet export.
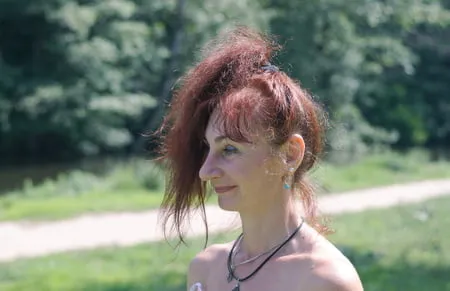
223	189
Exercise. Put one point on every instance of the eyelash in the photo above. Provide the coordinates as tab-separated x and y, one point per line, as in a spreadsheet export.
229	150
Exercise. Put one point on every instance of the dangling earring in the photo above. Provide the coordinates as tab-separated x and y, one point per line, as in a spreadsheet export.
288	180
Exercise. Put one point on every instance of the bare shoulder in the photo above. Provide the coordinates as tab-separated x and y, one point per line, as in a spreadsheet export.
202	262
335	275
326	267
333	271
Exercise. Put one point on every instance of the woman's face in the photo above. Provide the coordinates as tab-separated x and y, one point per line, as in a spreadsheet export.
243	175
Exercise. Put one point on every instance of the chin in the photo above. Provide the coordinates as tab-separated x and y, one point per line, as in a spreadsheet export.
227	204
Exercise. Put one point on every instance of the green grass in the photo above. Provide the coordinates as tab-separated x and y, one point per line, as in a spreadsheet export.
58	207
379	170
401	248
137	186
132	186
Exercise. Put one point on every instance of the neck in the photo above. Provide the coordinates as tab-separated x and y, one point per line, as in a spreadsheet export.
267	228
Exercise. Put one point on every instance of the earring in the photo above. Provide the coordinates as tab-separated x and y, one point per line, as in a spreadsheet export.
288	180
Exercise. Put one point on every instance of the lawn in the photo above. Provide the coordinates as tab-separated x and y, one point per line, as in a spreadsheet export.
58	207
379	170
138	186
401	248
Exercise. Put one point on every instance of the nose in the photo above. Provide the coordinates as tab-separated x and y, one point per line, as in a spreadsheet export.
210	169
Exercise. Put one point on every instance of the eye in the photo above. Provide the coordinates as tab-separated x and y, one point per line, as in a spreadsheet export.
229	150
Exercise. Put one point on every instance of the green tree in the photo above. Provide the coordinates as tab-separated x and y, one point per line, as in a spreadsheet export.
74	75
417	103
83	77
345	51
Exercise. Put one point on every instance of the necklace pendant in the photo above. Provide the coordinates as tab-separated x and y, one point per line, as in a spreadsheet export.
236	288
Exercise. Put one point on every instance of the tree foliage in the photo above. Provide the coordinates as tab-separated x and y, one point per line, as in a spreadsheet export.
80	77
75	74
358	58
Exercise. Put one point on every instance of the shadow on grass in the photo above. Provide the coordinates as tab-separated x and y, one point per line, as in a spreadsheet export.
379	273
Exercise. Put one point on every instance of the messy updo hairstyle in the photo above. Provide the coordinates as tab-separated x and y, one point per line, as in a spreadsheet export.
235	78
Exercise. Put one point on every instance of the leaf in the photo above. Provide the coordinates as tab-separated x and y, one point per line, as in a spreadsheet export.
126	105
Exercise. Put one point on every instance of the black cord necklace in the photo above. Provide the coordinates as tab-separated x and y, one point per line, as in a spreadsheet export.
230	257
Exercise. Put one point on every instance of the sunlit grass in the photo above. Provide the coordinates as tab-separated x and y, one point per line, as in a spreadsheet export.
379	170
58	207
137	186
401	248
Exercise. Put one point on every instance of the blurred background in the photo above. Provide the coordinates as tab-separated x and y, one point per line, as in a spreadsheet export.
83	81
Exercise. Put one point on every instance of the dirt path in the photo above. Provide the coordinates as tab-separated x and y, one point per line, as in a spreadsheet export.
31	239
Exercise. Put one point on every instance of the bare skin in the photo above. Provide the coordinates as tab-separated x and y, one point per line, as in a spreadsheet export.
308	263
248	178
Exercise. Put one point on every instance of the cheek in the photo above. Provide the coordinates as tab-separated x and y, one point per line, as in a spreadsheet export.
253	170
241	171
260	173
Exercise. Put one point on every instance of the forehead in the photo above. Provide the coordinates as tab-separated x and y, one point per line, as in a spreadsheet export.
218	127
214	127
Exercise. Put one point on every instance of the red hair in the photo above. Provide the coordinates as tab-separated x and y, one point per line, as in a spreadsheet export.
230	78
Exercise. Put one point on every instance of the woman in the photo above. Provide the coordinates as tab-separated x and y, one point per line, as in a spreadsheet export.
242	127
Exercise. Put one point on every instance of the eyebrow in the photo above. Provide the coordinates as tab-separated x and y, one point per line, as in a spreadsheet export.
220	138
217	139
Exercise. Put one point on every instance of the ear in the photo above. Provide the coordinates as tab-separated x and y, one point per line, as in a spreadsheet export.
294	151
